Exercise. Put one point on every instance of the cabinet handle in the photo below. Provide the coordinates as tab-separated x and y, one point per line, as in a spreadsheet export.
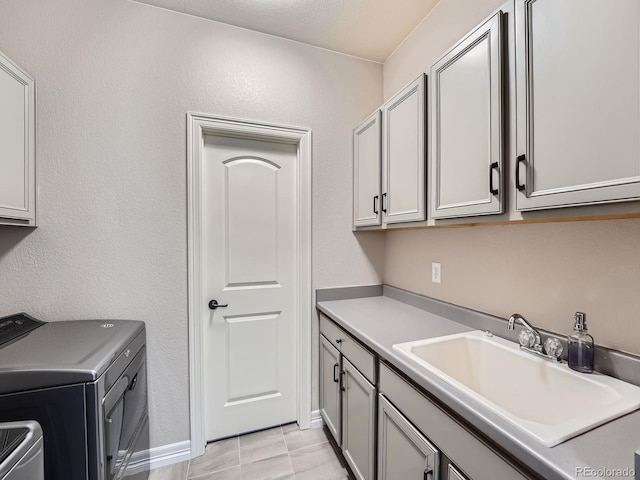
338	341
384	206
521	159
494	166
334	373
342	387
375	201
427	473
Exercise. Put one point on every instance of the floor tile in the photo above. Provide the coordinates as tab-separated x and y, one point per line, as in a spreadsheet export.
232	473
318	462
274	468
177	471
219	455
261	445
296	438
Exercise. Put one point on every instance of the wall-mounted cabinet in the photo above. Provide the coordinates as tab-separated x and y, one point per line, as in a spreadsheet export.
389	178
403	155
17	145
578	102
466	144
366	172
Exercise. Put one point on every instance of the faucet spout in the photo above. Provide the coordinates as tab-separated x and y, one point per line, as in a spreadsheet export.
517	317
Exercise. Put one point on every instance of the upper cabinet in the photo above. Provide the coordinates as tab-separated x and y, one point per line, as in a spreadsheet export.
389	161
466	144
17	145
403	155
366	172
578	102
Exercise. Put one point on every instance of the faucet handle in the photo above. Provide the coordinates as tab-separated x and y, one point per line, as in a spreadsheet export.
553	348
527	338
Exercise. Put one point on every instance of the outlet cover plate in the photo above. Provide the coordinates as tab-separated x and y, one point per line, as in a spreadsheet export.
436	272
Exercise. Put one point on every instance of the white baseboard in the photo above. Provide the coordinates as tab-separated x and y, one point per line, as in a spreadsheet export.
160	456
316	420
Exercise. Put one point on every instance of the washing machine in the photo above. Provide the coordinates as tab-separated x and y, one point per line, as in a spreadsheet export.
85	383
21	456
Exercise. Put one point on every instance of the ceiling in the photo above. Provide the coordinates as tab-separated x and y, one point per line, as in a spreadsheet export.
369	29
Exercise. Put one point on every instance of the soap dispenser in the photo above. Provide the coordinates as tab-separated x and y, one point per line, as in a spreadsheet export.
580	346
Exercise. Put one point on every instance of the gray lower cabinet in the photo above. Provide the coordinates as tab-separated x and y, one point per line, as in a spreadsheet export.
403	452
330	387
348	397
358	421
463	455
454	474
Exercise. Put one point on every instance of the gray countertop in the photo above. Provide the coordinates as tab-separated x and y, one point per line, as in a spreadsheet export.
381	321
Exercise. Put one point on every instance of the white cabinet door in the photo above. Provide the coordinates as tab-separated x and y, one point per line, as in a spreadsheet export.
358	422
403	452
330	387
403	155
17	145
466	126
578	102
366	172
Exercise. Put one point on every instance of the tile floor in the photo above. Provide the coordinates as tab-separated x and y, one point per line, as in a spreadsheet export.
280	453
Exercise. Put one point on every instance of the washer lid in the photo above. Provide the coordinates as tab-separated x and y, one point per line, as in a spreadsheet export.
64	353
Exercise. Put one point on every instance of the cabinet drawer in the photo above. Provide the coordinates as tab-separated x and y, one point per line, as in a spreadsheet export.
361	358
473	456
334	334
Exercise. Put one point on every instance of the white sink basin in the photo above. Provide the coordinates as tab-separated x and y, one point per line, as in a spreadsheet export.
549	401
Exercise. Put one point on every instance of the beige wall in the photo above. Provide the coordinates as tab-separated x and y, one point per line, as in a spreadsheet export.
445	25
546	272
114	82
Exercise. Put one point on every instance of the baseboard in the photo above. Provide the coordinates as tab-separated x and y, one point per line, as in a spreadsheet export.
159	457
316	420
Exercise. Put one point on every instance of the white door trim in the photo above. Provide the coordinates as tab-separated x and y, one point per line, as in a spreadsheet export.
198	125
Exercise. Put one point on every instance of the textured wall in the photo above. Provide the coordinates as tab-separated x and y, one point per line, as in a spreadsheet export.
114	82
546	271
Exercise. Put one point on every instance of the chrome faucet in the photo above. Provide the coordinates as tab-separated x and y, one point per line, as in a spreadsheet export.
531	340
528	326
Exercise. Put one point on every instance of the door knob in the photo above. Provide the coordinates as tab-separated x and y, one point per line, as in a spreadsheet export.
213	304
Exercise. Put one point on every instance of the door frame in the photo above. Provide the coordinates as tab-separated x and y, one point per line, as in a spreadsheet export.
199	125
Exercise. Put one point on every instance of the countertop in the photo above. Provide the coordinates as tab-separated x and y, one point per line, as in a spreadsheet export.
381	321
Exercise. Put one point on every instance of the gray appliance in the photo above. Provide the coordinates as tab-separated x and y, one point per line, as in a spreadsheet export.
85	383
21	456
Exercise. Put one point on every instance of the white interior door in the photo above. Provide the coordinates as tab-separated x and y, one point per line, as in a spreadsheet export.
249	264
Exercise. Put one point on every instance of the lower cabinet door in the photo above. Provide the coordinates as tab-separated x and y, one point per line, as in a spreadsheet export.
330	387
358	422
403	452
454	474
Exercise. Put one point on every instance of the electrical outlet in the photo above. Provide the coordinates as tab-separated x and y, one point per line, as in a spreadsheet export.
436	272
